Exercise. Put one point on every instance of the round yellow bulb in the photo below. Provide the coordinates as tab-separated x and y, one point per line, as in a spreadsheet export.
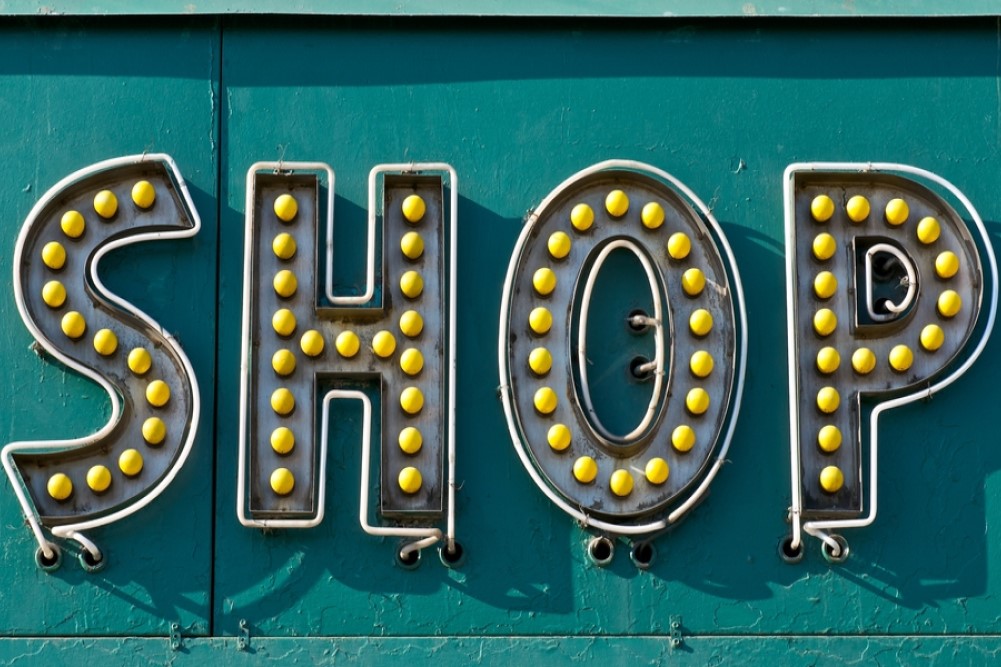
679	245
283	322
411	324
410	480
282	440
412	400
286	207
700	322
347	344
99	479
657	471
73	325
822	208
283	362
411	440
897	211
829	438
311	343
585	469
697	401
540	321
901	358
73	224
683	438
693	281
617	203
949	303
384	344
54	294
154	430
701	364
59	486
143	194
825	322
928	230
157	393
857	208
105	342
863	361
831	479
54	255
828	360
411	361
545	400
946	265
106	204
284	246
282	481
824	246
559	245
285	283
544	281
582	217
282	401
559	437
411	284
932	337
652	215
412	245
413	208
131	462
540	361
828	400
825	285
139	361
621	483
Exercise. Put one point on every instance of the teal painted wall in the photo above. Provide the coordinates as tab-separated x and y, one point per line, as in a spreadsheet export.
515	107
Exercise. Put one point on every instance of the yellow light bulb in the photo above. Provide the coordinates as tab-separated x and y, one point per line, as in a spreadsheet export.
949	303
657	471
139	361
857	208
946	265
411	440
701	364
585	469
284	246
143	194
621	483
413	208
311	343
54	255
347	344
285	283
822	208
105	342
697	401
411	361
412	245
901	358
828	360
73	325
617	203
828	400
652	215
932	337
825	322
59	486
154	430
106	204
540	320
412	400
157	393
99	478
582	217
283	322
897	211
545	400
384	344
130	462
54	294
283	362
544	281
559	437
73	224
411	324
700	322
282	440
286	207
824	246
693	281
559	245
282	481
831	479
863	361
679	245
825	285
928	230
411	284
282	401
540	361
410	480
829	438
683	438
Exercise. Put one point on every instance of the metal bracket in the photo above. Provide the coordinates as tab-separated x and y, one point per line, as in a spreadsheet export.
676	637
175	636
243	639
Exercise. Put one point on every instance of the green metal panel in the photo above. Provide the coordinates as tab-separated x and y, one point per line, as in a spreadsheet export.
515	108
73	94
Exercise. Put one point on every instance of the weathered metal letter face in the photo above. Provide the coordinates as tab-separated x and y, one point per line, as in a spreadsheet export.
300	339
639	477
70	486
885	286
